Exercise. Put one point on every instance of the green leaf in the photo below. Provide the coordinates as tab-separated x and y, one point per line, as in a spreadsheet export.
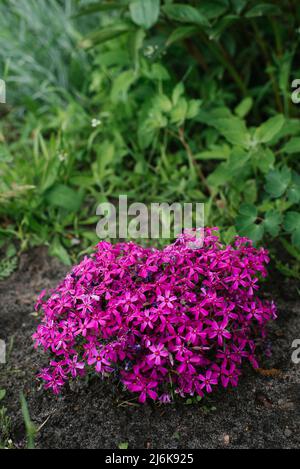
239	5
292	225
263	9
269	129
254	232
123	445
246	223
177	93
180	33
193	108
234	130
213	9
57	249
144	13
272	222
244	107
249	211
291	147
64	197
121	85
2	394
294	190
99	6
277	181
217	30
264	159
217	153
105	34
185	14
179	112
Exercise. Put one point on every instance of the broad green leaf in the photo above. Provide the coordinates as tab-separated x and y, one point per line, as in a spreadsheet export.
291	147
292	225
57	249
185	14
179	112
177	93
213	9
244	107
163	103
269	129
180	33
263	9
254	232
249	211
277	181
246	223
234	130
64	197
264	159
121	85
218	153
2	394
144	13
294	189
272	222
105	34
193	108
158	72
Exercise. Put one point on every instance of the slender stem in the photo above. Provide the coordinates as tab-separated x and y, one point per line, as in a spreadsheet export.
194	51
264	49
222	56
192	160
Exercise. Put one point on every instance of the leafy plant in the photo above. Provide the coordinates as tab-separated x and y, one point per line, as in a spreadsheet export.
159	100
29	426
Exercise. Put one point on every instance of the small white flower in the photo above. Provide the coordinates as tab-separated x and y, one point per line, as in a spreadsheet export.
96	122
62	156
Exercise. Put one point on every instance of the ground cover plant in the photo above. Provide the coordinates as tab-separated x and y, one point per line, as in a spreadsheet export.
181	320
164	101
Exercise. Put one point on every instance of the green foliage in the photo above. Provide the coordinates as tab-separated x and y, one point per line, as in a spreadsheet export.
31	430
5	424
8	265
159	100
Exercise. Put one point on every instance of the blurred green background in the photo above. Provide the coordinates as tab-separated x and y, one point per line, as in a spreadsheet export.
160	100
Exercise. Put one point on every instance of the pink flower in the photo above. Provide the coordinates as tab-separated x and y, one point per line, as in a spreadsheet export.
73	366
180	319
219	330
208	380
158	353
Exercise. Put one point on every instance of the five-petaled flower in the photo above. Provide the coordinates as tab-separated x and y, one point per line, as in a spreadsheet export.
180	319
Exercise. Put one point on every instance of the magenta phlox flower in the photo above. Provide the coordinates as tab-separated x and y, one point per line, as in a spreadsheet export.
183	319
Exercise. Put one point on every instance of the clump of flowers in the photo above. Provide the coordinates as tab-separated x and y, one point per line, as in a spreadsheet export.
178	320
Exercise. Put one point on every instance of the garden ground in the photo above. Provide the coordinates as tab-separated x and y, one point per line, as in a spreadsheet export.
263	412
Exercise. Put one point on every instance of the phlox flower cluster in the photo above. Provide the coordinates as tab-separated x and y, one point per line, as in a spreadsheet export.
162	322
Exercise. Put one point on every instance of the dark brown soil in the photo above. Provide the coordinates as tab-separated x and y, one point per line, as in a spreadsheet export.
264	411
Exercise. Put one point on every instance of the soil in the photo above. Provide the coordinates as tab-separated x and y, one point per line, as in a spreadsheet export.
263	412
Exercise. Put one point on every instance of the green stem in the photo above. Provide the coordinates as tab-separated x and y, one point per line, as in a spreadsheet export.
222	56
264	49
